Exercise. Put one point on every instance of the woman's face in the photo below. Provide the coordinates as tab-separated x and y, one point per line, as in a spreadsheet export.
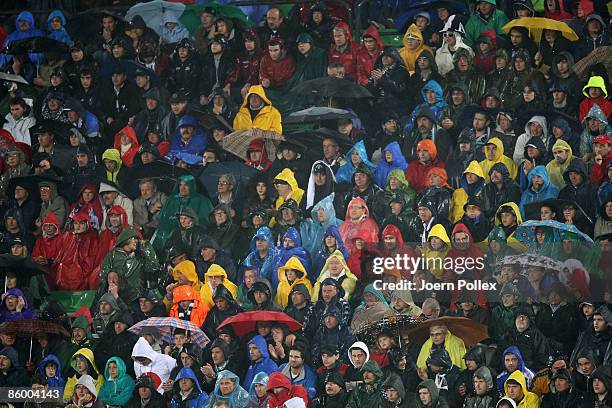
88	195
261	188
435	180
330	241
609	209
355	158
277	334
74	140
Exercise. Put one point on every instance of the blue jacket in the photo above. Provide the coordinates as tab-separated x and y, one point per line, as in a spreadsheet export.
548	189
57	381
322	254
265	364
61	34
198	401
312	231
119	391
177	34
383	169
254	401
22	35
283	254
266	265
307	378
501	378
436	108
196	145
238	398
346	171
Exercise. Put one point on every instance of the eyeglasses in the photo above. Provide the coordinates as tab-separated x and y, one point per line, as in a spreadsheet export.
448	34
225	183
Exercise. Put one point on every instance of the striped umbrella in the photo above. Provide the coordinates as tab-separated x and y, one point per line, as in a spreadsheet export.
166	326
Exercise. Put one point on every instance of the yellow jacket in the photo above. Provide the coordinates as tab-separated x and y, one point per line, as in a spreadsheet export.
460	196
284	287
436	257
530	400
348	283
188	269
555	169
454	345
206	294
296	192
268	118
511	240
71	381
410	56
487	164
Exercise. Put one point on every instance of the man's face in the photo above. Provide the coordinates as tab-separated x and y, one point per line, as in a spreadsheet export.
145	305
319	178
537	182
535	128
20	193
109	197
54	104
563	66
275	52
511	362
599	387
437	335
575	178
187	132
356	211
601	148
424	124
330	149
585	366
593	124
108	23
457	97
217	355
370	44
463	64
45	193
274	18
480	121
23	24
82	159
480	386
424	396
339	38
304	47
430	95
105	308
521	322
295	359
425	214
254	352
118	78
561	155
86	81
599	323
515	391
260	297
12	159
516	38
508	219
491	151
45	139
519	64
358	357
78	334
328	293
17	111
424	155
390	242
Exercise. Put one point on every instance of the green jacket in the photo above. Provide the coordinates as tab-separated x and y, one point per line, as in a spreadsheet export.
68	349
119	391
135	269
477	24
368	396
502	321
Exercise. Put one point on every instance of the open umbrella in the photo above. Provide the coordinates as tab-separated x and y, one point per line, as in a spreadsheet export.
316	114
468	330
525	232
153	12
526	260
536	25
24	267
238	142
600	55
532	210
191	16
246	322
163	173
211	173
18	79
31	328
395	325
209	120
37	45
312	140
166	325
331	87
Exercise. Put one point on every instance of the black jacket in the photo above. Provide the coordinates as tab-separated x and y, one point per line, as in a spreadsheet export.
210	72
119	106
585	194
561	325
534	346
185	75
494	197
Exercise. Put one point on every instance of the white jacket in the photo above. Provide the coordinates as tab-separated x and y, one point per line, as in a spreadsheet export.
20	129
519	148
444	58
161	364
122	201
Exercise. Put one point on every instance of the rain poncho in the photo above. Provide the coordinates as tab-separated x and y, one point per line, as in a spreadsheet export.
72	381
206	293
265	265
285	287
477	23
284	254
437	231
312	230
195	312
452	344
346	278
254	401
346	171
196	398
265	364
238	398
316	193
114	155
410	56
196	145
167	216
7	315
555	169
117	391
349	229
16	35
529	398
161	364
487	164
127	157
462	194
296	192
177	33
57	381
523	139
268	118
546	191
60	34
436	108
323	253
398	162
365	315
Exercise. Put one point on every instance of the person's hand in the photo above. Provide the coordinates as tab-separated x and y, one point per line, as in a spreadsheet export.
208	371
227	89
217	110
85	399
272	352
422	374
527	166
289	340
20	304
154	209
167	350
447	123
167	386
462	390
245	89
265	82
280	351
109	120
113	289
30	366
40	260
376	74
598	159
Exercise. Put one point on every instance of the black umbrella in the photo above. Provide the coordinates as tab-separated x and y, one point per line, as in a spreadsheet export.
312	140
316	114
18	79
331	86
159	170
37	45
85	26
211	173
23	267
30	183
210	120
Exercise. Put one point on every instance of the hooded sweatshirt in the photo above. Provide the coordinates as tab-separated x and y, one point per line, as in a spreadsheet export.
265	364
410	56
268	117
365	61
523	139
117	391
160	365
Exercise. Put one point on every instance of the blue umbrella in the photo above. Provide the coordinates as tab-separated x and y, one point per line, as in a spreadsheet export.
525	232
153	12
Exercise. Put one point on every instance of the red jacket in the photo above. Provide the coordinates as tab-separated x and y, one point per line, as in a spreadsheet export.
598	173
92	208
48	247
365	61
246	67
278	72
416	172
485	63
108	238
128	157
277	400
348	58
587	104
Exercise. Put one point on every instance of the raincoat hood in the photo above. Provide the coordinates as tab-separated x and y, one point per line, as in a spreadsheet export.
187	372
576	166
121	369
51	358
52	15
401	178
360	148
288	176
257	90
508	206
485	373
391	229
89	355
436	88
410	56
371	31
439	231
562	144
433	391
596	113
260	378
26	16
263	233
188	269
595	82
88	382
18	293
292	264
361	346
358	201
515	350
373	367
539	171
327	204
541	120
261	344
500	148
340	257
519	377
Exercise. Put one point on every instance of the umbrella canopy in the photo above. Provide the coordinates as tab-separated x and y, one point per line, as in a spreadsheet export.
331	86
317	113
600	55
532	210
211	173
468	330
37	45
163	173
526	260
33	327
246	322
526	231
153	12
191	16
536	25
238	142
166	326
209	120
312	140
24	267
13	78
87	24
395	325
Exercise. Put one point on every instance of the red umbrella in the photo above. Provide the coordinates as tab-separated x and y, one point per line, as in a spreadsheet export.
246	322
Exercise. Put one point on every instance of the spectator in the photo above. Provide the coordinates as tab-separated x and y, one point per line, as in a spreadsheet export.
257	112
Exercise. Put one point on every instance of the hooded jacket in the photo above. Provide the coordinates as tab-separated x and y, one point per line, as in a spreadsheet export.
466	191
255	401
72	381
25	314
346	171
527	374
478	23
265	364
347	279
487	164
239	396
444	56
265	265
529	398
452	344
488	400
473	82
18	34
56	381
523	139
410	56
347	57
588	102
316	193
197	311
196	398
206	293
161	364
296	192
437	401
365	61
368	395
59	34
285	287
584	194
546	191
117	391
290	391
268	118
312	230
349	229
416	172
398	162
127	157
555	169
286	252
